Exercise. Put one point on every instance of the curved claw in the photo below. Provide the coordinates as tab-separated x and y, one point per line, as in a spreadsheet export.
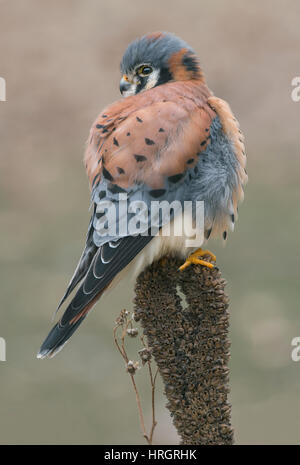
194	259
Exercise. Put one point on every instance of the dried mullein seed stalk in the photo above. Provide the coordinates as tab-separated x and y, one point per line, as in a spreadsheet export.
189	342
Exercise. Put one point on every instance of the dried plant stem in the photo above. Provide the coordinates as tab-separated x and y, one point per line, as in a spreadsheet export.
153	379
140	411
124	322
185	319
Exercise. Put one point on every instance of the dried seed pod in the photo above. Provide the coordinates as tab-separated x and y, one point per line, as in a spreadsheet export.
145	355
122	318
131	367
132	332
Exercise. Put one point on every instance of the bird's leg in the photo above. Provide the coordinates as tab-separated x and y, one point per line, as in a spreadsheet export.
194	259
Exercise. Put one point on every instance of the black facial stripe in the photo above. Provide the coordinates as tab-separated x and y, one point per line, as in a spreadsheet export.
141	84
164	76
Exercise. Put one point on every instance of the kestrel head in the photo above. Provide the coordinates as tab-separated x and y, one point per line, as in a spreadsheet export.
155	59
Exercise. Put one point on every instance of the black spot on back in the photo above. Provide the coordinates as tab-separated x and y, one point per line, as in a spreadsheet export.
115	189
232	218
140	158
107	175
99	126
175	177
190	161
128	134
161	130
116	142
104	131
157	193
104	116
149	141
102	194
203	143
224	235
120	170
139	119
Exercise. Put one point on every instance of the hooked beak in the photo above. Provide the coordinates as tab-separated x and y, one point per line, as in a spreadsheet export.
125	85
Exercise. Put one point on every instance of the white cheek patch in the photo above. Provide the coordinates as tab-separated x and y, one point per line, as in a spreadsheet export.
152	80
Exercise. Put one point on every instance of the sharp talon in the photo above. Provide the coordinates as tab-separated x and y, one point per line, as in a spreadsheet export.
202	262
206	252
194	259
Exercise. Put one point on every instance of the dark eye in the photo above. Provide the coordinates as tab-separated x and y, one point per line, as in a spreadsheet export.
145	70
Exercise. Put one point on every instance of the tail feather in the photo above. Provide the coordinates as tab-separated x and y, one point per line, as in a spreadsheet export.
63	330
57	338
83	264
107	262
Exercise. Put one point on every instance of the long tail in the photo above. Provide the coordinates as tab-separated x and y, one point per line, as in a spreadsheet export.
107	262
63	330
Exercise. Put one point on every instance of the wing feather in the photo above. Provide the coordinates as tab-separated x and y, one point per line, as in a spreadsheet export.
231	128
98	278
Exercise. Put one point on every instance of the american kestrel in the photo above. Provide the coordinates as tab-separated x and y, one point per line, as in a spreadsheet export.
169	139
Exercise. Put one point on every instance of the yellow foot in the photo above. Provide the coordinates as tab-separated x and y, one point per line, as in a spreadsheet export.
194	259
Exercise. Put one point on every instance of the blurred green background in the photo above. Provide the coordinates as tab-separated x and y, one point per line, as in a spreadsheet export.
61	60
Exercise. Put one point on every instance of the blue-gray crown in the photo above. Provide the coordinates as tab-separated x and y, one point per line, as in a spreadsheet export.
155	49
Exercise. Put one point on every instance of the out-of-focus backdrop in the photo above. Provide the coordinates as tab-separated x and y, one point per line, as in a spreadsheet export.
60	60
